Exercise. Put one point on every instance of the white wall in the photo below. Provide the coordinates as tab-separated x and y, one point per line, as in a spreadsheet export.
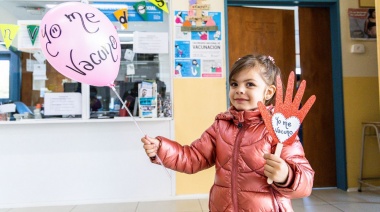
6	18
77	163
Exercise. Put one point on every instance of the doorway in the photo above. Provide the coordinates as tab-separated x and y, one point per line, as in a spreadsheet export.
269	31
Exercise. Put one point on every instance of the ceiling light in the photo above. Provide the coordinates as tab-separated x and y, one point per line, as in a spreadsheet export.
49	6
125	35
35	10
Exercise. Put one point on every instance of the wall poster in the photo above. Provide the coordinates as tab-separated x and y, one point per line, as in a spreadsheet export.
362	23
197	54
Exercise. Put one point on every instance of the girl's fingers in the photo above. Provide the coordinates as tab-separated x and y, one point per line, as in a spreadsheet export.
149	140
149	151
150	146
151	154
269	172
145	140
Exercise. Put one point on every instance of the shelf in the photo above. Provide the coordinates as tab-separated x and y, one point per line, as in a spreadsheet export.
79	120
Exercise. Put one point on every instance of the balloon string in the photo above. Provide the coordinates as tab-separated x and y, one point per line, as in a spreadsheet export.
134	120
129	112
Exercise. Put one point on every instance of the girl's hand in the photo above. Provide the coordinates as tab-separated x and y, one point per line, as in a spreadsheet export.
276	168
150	145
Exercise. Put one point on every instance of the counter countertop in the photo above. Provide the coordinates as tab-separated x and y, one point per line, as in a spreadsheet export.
80	120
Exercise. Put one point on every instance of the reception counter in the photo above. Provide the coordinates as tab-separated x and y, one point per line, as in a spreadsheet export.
79	161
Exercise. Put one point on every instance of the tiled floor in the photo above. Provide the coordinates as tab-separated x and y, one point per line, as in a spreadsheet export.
325	200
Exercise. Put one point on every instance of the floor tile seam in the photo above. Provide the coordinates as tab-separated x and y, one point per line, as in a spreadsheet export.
312	204
334	206
320	198
337	208
340	203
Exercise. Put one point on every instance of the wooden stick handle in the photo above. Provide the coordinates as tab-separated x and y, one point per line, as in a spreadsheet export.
277	152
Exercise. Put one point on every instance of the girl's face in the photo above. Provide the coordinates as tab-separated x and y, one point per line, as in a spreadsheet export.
247	88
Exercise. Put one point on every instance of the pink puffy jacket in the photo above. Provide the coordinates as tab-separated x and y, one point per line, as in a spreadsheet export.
235	144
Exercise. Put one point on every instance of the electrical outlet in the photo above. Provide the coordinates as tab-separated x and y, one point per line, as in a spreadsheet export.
357	49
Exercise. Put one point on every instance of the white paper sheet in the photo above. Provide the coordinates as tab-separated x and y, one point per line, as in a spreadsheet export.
129	55
130	69
151	42
63	104
38	84
7	108
30	65
39	56
39	72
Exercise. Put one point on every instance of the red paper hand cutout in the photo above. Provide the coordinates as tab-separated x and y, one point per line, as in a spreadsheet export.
287	108
284	123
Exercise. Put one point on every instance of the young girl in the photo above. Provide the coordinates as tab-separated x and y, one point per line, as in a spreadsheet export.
240	147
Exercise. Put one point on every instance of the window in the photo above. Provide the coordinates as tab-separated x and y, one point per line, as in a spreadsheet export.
4	79
103	102
9	77
141	68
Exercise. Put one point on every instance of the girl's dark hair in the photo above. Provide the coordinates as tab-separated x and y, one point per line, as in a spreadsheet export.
268	70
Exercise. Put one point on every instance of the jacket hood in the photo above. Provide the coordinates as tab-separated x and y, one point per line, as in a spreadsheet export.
248	117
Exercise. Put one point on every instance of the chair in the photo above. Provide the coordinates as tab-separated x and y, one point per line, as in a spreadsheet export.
367	132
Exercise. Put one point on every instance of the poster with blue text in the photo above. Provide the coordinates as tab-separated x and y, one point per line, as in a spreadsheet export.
198	53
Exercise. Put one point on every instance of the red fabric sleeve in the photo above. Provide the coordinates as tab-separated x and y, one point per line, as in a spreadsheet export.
188	159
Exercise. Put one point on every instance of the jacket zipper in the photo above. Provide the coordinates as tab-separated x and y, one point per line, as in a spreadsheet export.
276	205
235	155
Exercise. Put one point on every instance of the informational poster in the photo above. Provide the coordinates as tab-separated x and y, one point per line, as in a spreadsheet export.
362	23
198	53
63	104
150	42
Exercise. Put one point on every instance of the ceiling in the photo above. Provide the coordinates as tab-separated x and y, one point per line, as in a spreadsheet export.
28	9
35	10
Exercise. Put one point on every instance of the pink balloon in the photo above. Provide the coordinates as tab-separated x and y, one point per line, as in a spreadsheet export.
81	43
